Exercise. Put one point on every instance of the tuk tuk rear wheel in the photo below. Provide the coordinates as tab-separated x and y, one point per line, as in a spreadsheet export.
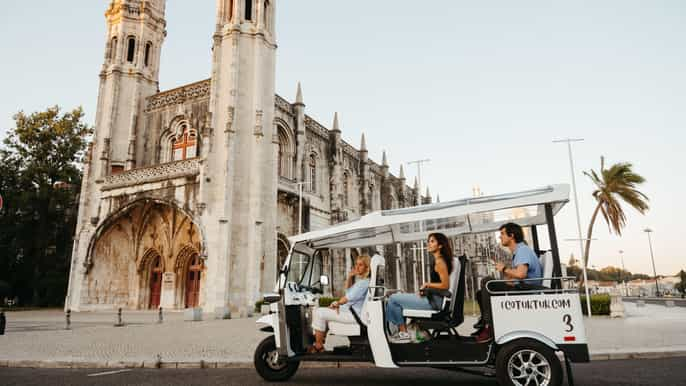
527	362
269	366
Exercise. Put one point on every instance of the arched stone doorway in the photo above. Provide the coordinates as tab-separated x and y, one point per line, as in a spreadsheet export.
138	257
156	271
193	279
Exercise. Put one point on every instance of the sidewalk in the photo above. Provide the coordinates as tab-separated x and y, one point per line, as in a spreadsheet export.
38	339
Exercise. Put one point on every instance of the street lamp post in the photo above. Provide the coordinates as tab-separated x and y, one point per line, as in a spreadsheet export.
652	258
578	217
419	164
622	278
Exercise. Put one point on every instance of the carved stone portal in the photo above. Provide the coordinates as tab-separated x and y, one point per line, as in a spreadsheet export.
150	241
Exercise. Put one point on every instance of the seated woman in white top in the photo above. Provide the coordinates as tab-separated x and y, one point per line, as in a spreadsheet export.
339	311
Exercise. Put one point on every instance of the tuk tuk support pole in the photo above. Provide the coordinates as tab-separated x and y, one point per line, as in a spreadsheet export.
534	237
557	269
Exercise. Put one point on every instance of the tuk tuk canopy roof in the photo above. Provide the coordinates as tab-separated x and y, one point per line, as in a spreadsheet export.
453	218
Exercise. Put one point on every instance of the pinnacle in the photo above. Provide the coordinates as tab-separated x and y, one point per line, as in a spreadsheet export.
335	123
363	144
299	95
402	172
384	161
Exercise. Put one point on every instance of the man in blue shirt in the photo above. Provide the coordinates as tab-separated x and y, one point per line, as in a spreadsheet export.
525	265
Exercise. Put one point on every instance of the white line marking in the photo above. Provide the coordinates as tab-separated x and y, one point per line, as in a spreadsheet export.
109	373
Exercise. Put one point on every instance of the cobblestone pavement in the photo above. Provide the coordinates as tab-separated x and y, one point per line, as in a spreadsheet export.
40	336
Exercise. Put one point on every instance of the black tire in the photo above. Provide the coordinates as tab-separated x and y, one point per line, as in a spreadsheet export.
268	367
519	362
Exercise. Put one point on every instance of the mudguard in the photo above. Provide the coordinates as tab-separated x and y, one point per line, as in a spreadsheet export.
272	321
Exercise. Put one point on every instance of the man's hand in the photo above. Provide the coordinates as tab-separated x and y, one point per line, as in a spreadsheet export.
500	267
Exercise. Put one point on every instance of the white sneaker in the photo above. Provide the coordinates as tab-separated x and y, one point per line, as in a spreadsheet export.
401	337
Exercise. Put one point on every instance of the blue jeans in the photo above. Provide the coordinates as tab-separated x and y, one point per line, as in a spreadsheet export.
396	303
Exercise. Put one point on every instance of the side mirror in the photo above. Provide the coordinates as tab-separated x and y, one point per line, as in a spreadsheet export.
324	280
271	298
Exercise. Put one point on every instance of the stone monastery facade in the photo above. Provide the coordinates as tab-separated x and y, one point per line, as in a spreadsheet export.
189	195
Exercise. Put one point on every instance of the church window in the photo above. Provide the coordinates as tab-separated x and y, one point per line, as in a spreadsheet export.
131	52
230	10
286	153
185	145
248	9
313	173
113	49
265	17
117	169
148	51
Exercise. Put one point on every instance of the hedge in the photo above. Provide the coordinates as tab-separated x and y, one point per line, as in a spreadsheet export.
325	301
600	304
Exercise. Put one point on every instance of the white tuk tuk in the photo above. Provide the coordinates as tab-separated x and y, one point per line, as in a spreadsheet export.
532	329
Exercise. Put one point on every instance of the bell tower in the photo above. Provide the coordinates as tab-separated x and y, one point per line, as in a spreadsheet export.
240	182
130	73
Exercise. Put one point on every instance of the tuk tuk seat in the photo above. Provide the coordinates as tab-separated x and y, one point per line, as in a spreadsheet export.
344	329
547	268
450	305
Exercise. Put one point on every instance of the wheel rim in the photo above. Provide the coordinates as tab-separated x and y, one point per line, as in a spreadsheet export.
528	368
271	359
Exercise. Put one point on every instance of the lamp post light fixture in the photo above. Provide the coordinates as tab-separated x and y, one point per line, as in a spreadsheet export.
652	258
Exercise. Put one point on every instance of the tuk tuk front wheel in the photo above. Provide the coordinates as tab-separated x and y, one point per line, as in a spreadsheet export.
268	364
527	362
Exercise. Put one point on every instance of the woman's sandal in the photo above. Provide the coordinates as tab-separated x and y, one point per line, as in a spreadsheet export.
314	349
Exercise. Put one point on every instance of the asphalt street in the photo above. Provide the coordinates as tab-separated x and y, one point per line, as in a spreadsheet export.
630	372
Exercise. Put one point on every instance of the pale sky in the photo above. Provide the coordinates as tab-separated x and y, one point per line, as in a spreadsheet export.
480	87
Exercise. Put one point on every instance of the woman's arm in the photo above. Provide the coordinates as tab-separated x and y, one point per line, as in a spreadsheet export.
442	270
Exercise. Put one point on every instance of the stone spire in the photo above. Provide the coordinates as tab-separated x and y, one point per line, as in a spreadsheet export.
402	172
363	144
416	185
428	194
299	96
335	123
384	161
438	198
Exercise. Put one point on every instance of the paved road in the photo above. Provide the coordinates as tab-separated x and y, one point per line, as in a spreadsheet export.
630	372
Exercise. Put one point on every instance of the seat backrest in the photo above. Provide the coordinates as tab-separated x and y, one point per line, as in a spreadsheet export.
547	267
454	278
376	279
457	298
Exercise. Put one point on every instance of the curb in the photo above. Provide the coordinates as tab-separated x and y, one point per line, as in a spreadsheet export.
160	365
618	355
598	356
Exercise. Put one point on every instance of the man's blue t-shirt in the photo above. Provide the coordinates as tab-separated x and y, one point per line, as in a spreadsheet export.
523	254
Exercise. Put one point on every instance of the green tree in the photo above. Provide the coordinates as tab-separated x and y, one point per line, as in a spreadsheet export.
614	185
681	286
39	179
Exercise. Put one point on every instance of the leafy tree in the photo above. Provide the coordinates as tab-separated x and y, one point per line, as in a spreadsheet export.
681	286
614	185
39	179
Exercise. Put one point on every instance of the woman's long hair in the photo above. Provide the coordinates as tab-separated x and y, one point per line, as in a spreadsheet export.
367	262
445	249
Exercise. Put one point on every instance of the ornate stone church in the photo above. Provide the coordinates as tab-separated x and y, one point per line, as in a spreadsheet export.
189	194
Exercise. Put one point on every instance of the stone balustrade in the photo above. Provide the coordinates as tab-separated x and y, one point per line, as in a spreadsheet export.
161	172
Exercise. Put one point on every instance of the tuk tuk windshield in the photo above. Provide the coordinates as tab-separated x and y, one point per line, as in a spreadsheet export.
304	268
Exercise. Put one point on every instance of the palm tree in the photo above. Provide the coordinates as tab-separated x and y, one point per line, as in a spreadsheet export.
615	185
